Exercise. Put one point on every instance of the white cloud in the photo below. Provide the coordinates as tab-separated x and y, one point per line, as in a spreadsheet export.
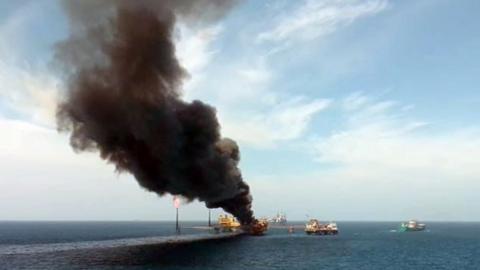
378	134
282	122
384	165
316	18
13	27
254	114
192	47
26	89
249	110
241	89
354	101
31	93
399	147
194	52
256	75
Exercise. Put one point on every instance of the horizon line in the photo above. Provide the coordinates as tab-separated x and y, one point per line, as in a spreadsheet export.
205	221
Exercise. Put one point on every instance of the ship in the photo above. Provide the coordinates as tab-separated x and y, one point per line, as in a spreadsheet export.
412	226
315	227
227	223
279	219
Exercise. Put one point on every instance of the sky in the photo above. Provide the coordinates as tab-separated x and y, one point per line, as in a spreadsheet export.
343	110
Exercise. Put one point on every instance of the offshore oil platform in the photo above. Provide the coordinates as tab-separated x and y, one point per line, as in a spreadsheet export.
279	219
228	223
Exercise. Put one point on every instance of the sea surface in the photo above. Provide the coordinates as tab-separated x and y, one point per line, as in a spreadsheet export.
148	245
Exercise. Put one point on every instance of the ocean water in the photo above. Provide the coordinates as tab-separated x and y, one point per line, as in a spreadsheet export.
140	245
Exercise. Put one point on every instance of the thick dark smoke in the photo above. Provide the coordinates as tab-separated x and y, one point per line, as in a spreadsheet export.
123	100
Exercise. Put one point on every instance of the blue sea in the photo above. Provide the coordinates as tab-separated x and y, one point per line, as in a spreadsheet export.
141	245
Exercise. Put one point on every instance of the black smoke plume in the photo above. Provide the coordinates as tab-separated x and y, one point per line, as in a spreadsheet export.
123	100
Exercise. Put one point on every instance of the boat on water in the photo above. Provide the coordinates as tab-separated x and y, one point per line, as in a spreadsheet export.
315	227
412	226
279	219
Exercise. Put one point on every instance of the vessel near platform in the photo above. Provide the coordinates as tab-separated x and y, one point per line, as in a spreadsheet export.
315	227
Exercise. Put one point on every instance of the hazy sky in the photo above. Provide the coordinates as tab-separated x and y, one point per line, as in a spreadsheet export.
344	110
